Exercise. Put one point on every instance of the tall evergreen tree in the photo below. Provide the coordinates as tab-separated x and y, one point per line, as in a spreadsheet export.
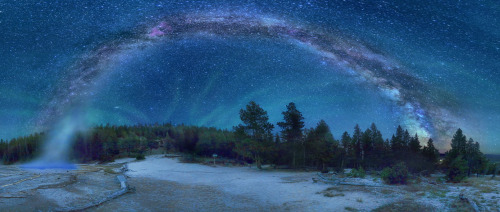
470	156
466	151
476	160
378	140
356	143
347	149
458	143
323	145
346	141
397	140
367	147
415	144
255	133
406	141
291	129
379	149
430	152
255	122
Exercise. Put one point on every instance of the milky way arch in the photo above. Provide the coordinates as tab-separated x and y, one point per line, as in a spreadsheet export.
419	112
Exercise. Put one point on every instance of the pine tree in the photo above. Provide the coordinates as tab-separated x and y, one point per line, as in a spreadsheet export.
430	152
256	122
356	143
458	147
406	141
457	171
378	140
378	152
291	129
478	162
255	133
468	151
397	141
346	141
367	147
470	156
323	145
458	143
347	149
415	144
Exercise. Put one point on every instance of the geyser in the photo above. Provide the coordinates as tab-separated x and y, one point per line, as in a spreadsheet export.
56	150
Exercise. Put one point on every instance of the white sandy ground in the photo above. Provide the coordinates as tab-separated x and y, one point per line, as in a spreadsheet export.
164	184
293	190
277	190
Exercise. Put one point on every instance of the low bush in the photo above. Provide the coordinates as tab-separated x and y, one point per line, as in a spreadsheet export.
339	170
191	158
360	173
457	170
140	157
398	174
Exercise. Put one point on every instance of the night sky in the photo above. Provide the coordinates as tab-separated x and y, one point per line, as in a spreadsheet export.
429	66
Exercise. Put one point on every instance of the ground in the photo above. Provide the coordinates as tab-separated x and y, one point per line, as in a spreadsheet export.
161	183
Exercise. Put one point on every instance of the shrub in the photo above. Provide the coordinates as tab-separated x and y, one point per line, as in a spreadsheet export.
357	173
385	174
339	170
457	170
440	180
140	157
190	158
492	169
350	209
398	174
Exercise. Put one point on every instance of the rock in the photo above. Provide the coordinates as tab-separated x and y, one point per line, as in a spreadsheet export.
462	197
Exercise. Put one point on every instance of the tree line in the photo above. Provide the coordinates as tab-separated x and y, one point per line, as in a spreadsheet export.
253	141
297	146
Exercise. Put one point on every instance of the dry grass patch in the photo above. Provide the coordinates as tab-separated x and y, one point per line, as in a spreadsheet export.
404	205
110	171
386	191
334	189
350	209
421	193
332	192
437	193
413	188
486	189
333	195
483	185
461	206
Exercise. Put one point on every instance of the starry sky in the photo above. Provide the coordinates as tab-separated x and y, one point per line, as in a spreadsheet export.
430	66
